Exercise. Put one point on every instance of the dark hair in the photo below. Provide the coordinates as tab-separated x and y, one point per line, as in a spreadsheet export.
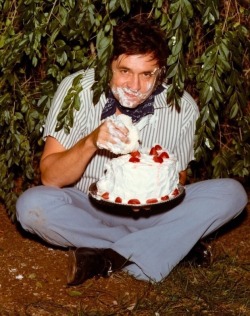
139	37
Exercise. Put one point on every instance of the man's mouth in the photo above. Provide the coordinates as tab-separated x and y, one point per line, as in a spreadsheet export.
128	98
131	96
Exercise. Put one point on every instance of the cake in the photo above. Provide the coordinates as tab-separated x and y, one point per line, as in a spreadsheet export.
141	177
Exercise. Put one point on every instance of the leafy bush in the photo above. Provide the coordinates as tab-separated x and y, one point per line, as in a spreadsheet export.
41	42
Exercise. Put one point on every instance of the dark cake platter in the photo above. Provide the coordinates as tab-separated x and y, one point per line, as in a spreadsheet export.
172	198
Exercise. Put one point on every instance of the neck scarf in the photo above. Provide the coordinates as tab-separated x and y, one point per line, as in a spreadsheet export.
137	113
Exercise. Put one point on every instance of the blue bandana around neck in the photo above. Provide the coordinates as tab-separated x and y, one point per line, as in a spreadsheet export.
137	113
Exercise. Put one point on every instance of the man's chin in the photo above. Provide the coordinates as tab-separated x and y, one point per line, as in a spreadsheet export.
131	105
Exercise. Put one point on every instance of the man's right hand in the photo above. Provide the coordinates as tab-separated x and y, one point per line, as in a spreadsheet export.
110	134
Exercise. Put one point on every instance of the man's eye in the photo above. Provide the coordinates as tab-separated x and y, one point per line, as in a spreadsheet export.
148	74
124	71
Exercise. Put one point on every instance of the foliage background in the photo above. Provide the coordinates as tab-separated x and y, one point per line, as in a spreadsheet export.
41	42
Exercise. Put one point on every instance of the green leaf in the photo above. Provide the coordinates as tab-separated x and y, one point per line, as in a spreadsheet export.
62	58
172	59
240	169
178	46
213	115
113	5
158	4
157	13
225	64
125	5
174	7
223	49
74	293
234	110
176	21
217	84
210	62
172	70
188	8
206	94
76	103
54	35
205	114
209	144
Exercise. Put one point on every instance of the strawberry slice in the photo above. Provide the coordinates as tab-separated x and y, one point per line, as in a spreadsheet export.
134	201
165	198
118	200
176	192
164	155
153	151
158	147
158	159
136	154
151	201
105	196
134	159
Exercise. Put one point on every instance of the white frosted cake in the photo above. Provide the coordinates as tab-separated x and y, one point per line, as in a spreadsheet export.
140	178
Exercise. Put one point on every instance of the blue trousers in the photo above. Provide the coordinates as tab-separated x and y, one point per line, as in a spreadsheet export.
155	242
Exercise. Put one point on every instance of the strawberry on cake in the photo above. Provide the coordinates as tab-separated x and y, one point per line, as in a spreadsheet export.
141	177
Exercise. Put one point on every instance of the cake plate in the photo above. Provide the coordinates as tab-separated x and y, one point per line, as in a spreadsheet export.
173	198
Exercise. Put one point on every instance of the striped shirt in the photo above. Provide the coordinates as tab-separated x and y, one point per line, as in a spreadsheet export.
166	127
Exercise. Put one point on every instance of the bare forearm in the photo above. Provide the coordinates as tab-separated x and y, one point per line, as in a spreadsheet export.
61	167
64	168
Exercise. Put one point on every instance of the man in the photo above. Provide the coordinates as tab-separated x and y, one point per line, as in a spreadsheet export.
60	212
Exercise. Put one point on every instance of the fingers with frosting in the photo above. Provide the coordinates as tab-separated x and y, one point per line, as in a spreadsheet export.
116	144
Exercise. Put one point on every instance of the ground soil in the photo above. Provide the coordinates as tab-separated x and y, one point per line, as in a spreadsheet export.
33	274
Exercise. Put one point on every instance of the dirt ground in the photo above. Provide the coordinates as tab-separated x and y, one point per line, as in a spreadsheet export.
33	274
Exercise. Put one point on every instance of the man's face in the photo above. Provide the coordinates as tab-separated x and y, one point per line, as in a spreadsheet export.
134	78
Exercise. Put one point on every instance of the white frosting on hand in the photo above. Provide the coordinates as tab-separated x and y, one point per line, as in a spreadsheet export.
119	147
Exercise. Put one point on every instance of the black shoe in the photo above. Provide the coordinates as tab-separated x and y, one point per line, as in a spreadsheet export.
86	263
200	255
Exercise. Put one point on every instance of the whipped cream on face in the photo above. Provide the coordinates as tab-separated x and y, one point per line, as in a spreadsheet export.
119	147
122	93
145	180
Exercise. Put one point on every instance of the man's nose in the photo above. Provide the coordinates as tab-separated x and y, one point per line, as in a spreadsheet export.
134	83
